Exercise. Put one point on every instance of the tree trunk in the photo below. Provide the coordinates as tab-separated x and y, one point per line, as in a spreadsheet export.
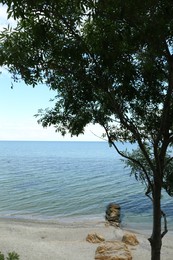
156	240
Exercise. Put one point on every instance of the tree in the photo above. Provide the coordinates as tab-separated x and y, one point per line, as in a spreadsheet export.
109	62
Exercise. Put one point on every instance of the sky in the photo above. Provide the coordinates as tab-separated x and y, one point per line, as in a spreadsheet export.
19	105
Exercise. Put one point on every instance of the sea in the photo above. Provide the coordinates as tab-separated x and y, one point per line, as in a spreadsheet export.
71	182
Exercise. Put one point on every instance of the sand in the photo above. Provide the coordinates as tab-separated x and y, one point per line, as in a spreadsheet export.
67	241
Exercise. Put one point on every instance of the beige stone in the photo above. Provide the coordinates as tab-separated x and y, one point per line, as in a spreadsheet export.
114	206
112	223
95	238
130	239
113	214
113	250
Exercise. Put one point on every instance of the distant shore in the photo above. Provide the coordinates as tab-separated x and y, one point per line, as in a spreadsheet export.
42	240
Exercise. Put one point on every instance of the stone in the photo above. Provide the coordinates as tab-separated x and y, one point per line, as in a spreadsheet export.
113	214
130	239
113	250
95	238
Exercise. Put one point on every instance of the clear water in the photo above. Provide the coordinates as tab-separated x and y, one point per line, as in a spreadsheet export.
70	180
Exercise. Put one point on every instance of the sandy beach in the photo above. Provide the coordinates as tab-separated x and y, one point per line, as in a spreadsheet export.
67	241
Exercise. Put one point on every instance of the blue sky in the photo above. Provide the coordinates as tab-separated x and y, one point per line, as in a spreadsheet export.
19	105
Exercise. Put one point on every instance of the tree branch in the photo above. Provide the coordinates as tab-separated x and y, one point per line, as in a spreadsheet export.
165	224
132	128
130	158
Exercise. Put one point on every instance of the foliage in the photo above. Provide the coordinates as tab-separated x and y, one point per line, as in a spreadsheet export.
11	256
139	167
98	55
1	256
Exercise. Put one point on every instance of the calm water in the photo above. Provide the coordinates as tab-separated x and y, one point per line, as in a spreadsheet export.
70	180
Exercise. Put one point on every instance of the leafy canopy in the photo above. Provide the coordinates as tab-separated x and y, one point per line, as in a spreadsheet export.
109	62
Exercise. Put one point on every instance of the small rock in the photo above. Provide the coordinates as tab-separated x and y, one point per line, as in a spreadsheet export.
130	239
113	214
95	238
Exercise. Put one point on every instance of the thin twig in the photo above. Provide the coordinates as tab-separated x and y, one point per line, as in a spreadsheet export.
130	158
165	224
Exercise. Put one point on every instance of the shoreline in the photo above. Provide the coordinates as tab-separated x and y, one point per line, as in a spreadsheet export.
132	222
42	240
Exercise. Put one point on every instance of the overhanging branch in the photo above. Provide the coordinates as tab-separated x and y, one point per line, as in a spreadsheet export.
131	127
130	158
